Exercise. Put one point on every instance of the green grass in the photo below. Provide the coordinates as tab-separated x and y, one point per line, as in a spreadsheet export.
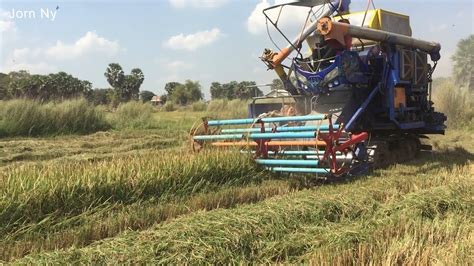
227	108
133	115
137	195
31	118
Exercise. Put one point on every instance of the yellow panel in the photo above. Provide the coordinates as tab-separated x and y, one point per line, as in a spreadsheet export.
375	23
381	20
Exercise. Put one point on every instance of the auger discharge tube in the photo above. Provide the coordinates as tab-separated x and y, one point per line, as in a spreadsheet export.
337	30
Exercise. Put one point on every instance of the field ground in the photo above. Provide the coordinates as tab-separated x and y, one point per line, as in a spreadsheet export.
139	196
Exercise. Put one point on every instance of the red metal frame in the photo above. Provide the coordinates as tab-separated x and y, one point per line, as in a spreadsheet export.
333	145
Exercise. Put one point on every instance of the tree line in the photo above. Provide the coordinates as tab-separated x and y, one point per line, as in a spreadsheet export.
62	86
191	91
123	88
22	84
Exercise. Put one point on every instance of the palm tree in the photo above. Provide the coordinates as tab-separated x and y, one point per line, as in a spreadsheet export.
463	63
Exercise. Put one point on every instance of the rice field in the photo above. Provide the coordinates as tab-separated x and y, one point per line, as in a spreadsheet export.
137	195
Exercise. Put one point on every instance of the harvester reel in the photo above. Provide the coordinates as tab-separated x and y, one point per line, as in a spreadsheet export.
332	138
200	128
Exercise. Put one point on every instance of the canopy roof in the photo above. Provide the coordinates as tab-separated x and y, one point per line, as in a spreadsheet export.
303	3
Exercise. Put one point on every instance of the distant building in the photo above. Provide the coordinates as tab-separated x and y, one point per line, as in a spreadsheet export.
156	100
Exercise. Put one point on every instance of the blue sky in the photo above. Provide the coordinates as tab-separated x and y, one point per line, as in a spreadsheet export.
175	40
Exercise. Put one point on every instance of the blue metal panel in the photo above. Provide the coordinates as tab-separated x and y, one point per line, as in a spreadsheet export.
282	135
288	162
412	125
219	137
294	118
301	170
391	80
248	121
298	153
362	108
279	129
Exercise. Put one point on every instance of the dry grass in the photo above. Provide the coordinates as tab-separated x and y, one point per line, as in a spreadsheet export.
384	218
35	192
455	102
109	220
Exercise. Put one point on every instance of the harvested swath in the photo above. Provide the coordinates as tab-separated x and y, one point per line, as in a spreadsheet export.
33	192
109	220
446	239
339	217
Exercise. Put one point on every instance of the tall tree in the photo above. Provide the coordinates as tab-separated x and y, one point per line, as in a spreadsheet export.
132	83
4	86
115	75
216	90
277	84
194	89
146	96
229	89
186	93
246	90
463	58
180	95
126	87
170	86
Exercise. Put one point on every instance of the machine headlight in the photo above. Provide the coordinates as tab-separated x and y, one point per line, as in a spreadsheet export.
302	80
331	75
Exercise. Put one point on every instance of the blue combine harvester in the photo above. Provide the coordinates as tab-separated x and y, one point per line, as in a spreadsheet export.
366	81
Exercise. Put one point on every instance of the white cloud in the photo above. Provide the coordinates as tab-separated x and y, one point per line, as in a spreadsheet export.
193	41
6	23
197	3
89	43
7	26
178	65
291	17
23	54
34	68
8	30
41	60
27	59
256	20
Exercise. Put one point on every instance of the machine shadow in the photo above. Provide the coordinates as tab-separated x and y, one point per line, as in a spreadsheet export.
445	158
440	159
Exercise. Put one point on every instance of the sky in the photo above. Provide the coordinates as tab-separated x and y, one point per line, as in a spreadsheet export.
176	40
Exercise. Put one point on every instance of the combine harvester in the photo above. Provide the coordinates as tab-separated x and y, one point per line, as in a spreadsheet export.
360	99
